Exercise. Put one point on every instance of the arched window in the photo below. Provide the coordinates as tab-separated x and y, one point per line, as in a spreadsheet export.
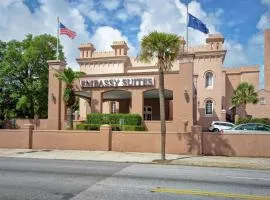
209	107
209	80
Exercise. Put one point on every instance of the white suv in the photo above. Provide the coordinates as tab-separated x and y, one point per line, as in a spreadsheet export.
217	126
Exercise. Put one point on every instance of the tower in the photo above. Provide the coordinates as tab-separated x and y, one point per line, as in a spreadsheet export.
267	60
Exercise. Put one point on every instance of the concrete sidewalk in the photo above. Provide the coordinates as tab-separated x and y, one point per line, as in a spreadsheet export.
209	161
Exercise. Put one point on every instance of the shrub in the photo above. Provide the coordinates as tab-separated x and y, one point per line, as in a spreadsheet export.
115	127
132	128
92	127
128	119
253	120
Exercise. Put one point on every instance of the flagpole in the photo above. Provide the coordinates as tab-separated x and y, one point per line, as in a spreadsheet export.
57	47
187	28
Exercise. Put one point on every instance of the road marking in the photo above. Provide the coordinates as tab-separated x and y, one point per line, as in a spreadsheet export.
210	194
250	178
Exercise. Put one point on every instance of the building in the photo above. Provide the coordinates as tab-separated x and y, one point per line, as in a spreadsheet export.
198	89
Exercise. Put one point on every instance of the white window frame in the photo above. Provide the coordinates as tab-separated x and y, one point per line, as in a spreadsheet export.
113	107
211	85
146	113
205	108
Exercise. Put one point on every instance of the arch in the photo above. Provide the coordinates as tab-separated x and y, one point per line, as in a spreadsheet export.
151	104
116	101
154	93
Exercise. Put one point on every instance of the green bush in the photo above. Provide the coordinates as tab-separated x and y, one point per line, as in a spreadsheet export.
115	127
253	120
132	128
128	119
92	127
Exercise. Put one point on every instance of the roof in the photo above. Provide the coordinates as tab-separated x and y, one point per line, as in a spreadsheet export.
241	69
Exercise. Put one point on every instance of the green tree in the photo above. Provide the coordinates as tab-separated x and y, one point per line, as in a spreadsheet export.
24	74
244	94
68	76
164	48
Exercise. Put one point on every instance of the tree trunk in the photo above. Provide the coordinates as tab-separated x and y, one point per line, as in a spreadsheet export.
69	118
162	114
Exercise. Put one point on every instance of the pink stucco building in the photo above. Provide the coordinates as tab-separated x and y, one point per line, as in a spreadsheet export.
198	87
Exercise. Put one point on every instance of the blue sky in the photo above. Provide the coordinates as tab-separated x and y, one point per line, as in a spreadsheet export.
101	21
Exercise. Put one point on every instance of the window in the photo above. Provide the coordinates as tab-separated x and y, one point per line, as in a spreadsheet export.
147	113
262	100
209	107
209	80
113	107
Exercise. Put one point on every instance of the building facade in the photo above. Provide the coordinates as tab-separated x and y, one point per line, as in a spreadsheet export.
198	89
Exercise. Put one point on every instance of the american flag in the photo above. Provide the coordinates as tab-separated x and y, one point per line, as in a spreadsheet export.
65	31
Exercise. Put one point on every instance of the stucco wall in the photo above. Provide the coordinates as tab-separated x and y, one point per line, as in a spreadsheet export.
252	145
40	124
176	143
181	83
260	110
267	59
76	140
103	68
201	66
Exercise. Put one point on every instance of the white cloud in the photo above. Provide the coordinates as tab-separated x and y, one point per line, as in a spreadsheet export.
264	22
110	4
134	7
44	20
86	7
122	15
104	37
235	54
266	2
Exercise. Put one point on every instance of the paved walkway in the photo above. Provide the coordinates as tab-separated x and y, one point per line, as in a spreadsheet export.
210	161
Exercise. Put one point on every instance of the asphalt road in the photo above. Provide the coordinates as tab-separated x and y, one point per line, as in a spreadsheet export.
27	179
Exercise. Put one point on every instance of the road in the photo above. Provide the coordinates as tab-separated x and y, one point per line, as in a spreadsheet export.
38	179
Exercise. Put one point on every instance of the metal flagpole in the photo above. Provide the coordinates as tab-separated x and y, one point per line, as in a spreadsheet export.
57	47
187	28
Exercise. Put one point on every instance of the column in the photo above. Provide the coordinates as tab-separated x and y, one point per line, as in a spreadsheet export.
137	102
96	102
55	100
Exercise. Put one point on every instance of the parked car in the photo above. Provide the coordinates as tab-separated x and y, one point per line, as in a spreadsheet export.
217	126
249	127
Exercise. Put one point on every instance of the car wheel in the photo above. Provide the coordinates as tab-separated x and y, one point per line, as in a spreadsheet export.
215	130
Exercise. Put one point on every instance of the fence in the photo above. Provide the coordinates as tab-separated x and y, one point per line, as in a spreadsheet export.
195	142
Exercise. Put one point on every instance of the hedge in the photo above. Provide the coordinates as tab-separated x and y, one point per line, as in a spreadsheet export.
115	127
253	120
128	119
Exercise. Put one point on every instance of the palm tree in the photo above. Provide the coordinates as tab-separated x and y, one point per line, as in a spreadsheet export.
164	48
68	76
244	94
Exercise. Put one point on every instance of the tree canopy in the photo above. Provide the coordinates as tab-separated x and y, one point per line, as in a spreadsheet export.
24	76
245	93
161	46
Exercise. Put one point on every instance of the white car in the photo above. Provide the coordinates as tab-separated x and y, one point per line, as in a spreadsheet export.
218	126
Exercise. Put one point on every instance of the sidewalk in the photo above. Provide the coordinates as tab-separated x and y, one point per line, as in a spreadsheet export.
209	161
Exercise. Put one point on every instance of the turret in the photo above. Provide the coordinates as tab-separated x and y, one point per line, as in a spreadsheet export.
120	48
215	41
86	50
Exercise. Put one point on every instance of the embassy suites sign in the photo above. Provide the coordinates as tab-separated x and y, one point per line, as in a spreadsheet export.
117	82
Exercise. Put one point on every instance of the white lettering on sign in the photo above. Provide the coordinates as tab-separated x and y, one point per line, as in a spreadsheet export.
117	82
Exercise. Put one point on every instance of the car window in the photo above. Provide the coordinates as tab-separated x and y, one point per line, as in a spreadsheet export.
261	127
226	124
248	127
